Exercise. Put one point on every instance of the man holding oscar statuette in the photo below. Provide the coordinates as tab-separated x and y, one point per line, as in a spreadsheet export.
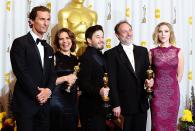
127	65
90	81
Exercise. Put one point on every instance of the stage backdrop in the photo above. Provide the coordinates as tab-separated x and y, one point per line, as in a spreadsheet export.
144	15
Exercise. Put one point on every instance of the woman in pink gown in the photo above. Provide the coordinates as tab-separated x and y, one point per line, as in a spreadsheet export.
167	63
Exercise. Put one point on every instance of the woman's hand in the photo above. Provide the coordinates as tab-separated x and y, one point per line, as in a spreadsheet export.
70	79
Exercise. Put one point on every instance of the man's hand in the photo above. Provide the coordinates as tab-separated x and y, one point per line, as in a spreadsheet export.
117	111
104	91
43	95
149	83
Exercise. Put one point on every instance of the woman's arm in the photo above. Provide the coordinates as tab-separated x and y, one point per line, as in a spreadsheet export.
180	66
70	79
150	57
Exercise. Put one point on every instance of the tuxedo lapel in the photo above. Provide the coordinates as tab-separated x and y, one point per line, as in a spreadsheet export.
33	43
125	59
45	59
136	58
98	59
97	56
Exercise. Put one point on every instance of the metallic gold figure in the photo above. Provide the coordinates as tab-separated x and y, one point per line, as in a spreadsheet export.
77	18
107	107
150	75
76	70
105	80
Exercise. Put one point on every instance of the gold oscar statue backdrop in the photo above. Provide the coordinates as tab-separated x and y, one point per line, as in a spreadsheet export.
77	18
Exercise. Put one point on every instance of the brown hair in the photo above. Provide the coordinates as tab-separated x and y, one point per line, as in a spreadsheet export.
33	13
156	31
70	34
120	23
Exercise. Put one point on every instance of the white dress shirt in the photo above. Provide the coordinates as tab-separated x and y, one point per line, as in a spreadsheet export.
39	46
129	52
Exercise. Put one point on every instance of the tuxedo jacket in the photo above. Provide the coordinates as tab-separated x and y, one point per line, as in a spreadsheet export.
126	85
30	74
92	69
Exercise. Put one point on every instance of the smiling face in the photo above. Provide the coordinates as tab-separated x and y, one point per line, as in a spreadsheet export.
125	33
65	42
97	40
164	34
41	23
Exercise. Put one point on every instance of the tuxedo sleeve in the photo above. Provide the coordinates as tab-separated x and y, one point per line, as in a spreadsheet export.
19	67
147	63
52	73
112	73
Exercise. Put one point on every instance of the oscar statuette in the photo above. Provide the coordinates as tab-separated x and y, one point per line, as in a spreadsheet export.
108	109
150	75
76	70
106	99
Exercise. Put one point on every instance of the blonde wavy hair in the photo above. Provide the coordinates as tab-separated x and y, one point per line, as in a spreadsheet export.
156	31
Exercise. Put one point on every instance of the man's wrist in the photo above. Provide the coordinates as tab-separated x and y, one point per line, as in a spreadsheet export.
50	93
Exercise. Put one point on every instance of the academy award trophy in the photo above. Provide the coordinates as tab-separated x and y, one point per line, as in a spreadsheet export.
106	99
150	75
76	70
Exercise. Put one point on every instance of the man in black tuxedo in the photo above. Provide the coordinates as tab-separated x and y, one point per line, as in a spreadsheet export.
32	64
127	65
90	81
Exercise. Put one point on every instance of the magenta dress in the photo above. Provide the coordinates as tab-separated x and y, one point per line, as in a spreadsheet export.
165	103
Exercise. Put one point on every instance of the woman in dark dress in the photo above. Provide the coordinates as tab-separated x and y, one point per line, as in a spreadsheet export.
63	103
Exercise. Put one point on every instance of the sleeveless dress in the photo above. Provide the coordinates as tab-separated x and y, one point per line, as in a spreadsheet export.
165	103
64	104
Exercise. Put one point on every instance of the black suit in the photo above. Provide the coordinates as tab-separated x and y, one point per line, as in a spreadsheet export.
127	85
92	69
27	67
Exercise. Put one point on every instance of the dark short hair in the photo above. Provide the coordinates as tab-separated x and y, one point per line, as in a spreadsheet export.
33	13
120	23
70	34
91	30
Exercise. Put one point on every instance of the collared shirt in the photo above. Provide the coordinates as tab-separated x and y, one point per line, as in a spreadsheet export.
39	46
129	52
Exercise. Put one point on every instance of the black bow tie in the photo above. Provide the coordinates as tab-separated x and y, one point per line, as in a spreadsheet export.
43	42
